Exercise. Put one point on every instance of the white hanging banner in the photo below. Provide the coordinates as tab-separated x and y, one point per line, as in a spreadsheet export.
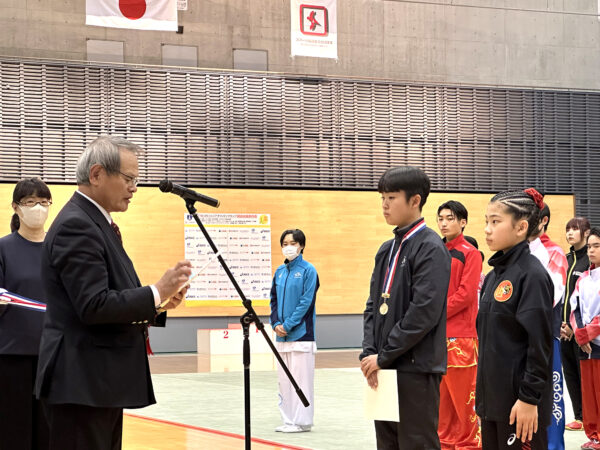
135	14
314	28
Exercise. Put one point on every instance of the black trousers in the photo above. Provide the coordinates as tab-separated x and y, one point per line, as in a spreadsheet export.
78	427
569	351
502	436
419	403
22	422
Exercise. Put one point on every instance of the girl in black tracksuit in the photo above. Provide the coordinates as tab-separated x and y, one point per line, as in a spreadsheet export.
578	229
514	327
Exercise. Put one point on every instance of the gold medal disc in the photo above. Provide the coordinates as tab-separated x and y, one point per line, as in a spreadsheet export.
383	309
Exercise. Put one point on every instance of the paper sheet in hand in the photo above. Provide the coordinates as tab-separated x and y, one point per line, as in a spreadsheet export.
382	403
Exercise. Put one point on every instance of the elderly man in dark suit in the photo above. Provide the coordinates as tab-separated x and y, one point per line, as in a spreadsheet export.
93	361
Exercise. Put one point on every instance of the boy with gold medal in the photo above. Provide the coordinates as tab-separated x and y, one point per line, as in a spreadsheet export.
405	315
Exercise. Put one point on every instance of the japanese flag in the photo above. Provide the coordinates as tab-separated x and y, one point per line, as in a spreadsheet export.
135	14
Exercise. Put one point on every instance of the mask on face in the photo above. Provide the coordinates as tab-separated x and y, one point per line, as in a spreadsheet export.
34	216
290	251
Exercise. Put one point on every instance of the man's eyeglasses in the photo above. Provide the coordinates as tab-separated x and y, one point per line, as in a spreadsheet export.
131	181
32	203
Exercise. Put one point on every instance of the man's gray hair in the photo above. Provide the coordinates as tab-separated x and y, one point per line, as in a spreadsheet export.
103	150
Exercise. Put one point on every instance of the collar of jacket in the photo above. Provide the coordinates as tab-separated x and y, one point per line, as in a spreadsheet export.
502	259
458	240
400	232
545	239
294	262
580	253
95	214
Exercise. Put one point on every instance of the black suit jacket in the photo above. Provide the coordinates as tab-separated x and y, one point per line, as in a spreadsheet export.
93	348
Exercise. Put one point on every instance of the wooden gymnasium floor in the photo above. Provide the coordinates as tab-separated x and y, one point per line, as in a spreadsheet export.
200	409
141	433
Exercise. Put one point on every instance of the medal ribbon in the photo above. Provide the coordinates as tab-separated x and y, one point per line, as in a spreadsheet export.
391	270
8	298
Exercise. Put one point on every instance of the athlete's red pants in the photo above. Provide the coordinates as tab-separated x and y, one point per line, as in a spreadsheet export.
458	426
590	397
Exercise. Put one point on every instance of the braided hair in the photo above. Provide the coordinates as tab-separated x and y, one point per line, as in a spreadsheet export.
522	205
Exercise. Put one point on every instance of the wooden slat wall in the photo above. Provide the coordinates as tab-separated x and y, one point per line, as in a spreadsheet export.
228	129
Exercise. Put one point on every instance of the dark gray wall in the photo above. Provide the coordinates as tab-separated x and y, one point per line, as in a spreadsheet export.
332	331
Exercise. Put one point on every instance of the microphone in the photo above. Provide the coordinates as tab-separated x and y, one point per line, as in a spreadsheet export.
187	194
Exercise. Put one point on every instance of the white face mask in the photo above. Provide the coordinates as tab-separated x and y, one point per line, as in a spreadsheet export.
35	216
290	251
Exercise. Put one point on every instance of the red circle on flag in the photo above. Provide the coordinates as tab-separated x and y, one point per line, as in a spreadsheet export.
132	9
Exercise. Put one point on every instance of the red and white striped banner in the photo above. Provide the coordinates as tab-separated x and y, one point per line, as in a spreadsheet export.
135	14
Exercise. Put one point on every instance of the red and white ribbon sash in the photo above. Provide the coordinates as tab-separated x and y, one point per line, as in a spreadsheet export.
391	270
9	298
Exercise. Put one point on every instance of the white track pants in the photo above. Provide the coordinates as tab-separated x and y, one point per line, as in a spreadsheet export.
302	366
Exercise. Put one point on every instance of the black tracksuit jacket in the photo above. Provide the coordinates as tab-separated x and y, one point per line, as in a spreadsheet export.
514	327
578	263
411	337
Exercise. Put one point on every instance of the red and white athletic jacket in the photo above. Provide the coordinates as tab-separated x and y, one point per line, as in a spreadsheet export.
554	261
585	310
463	288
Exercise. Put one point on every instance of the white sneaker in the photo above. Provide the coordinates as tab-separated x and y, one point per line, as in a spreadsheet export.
292	428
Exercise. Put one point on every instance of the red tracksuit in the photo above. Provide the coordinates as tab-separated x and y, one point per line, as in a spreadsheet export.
458	426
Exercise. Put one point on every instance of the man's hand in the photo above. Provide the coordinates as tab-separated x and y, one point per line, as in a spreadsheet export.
369	365
279	331
172	281
565	332
526	416
175	300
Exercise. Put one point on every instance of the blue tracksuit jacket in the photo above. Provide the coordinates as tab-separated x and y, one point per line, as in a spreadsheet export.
293	296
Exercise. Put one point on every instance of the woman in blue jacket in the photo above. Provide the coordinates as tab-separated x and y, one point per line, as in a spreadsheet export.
293	296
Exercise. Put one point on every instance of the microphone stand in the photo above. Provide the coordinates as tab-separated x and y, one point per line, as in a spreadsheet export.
246	319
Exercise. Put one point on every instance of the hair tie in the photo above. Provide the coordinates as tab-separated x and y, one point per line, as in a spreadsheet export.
536	196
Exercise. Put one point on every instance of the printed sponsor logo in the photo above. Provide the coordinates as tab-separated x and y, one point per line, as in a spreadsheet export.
511	439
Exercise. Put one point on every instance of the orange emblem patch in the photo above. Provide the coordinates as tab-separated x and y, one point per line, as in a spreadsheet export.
504	291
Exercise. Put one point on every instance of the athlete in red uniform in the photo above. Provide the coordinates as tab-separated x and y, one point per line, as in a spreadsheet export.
458	426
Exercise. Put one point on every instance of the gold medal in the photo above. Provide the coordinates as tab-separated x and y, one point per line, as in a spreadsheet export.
383	309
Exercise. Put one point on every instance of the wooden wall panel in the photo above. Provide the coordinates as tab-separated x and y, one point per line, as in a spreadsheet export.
343	229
